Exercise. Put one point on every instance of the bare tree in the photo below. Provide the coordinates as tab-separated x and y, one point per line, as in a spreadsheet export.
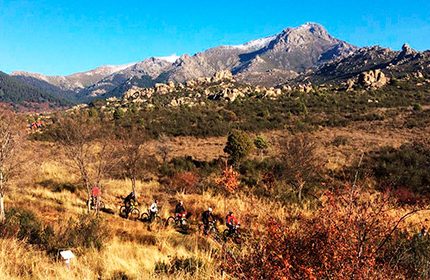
132	158
87	144
8	151
163	147
300	162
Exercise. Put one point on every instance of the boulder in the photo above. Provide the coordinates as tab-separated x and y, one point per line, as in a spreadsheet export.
373	79
224	75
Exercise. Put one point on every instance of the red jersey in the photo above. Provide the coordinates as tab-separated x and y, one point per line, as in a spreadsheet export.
96	191
230	219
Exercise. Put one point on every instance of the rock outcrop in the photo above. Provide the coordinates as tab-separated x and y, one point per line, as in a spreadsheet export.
373	79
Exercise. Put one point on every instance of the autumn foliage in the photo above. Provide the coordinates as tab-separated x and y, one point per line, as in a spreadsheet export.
345	239
229	179
186	181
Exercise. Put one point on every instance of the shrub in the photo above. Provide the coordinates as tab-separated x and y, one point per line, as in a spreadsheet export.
86	232
417	107
120	275
406	167
58	187
24	224
65	186
340	141
261	143
239	146
410	254
346	239
229	180
185	182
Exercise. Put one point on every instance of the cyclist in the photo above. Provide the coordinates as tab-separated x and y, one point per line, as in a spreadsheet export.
95	196
153	210
231	222
207	217
129	200
180	211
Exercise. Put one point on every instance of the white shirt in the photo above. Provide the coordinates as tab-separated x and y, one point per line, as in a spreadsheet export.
154	207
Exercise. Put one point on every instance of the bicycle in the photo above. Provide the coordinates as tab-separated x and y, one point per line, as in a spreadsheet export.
131	212
178	221
234	235
146	217
211	231
93	205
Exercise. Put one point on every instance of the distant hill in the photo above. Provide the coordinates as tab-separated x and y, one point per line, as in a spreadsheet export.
302	55
19	93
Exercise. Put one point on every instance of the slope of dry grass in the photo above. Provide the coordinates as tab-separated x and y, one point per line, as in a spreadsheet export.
134	249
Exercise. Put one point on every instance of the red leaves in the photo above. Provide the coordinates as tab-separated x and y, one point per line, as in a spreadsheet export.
339	242
186	181
229	179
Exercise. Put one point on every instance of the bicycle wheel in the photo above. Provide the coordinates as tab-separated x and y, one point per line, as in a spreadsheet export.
170	221
237	238
144	217
184	225
158	220
134	214
225	234
123	212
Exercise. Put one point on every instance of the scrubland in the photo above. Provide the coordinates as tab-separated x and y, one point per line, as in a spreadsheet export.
344	198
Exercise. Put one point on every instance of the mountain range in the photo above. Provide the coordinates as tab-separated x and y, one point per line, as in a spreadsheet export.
307	53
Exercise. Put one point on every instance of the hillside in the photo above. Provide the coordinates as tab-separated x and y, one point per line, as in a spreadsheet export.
268	61
306	55
46	202
18	93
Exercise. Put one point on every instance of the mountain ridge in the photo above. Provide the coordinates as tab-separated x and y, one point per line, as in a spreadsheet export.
307	53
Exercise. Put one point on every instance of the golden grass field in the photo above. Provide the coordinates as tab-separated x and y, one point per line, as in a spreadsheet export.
134	248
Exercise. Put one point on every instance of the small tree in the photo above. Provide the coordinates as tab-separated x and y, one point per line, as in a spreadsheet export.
8	160
163	147
132	160
261	144
300	162
239	146
87	144
229	180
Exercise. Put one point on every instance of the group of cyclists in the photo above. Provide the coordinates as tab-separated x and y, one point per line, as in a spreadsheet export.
208	218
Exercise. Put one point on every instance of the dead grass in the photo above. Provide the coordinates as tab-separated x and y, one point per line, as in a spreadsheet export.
134	248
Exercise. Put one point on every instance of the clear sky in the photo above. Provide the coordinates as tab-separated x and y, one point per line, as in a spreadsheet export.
63	37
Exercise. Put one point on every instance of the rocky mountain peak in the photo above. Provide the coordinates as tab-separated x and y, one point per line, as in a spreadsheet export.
407	50
304	34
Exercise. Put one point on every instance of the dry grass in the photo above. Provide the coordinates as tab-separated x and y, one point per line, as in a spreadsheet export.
134	249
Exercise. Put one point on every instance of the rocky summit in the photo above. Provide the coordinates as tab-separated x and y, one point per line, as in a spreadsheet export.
300	57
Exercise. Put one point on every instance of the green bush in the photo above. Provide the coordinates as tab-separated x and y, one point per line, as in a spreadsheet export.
239	146
405	167
410	254
417	107
85	232
25	225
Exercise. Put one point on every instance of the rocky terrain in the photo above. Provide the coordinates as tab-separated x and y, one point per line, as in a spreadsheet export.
268	61
304	58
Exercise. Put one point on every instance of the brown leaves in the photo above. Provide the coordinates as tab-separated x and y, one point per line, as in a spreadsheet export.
341	241
229	180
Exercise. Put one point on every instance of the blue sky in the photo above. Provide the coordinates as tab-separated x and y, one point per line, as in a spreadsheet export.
63	37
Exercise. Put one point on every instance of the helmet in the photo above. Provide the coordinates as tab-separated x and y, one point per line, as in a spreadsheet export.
230	212
210	209
181	202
